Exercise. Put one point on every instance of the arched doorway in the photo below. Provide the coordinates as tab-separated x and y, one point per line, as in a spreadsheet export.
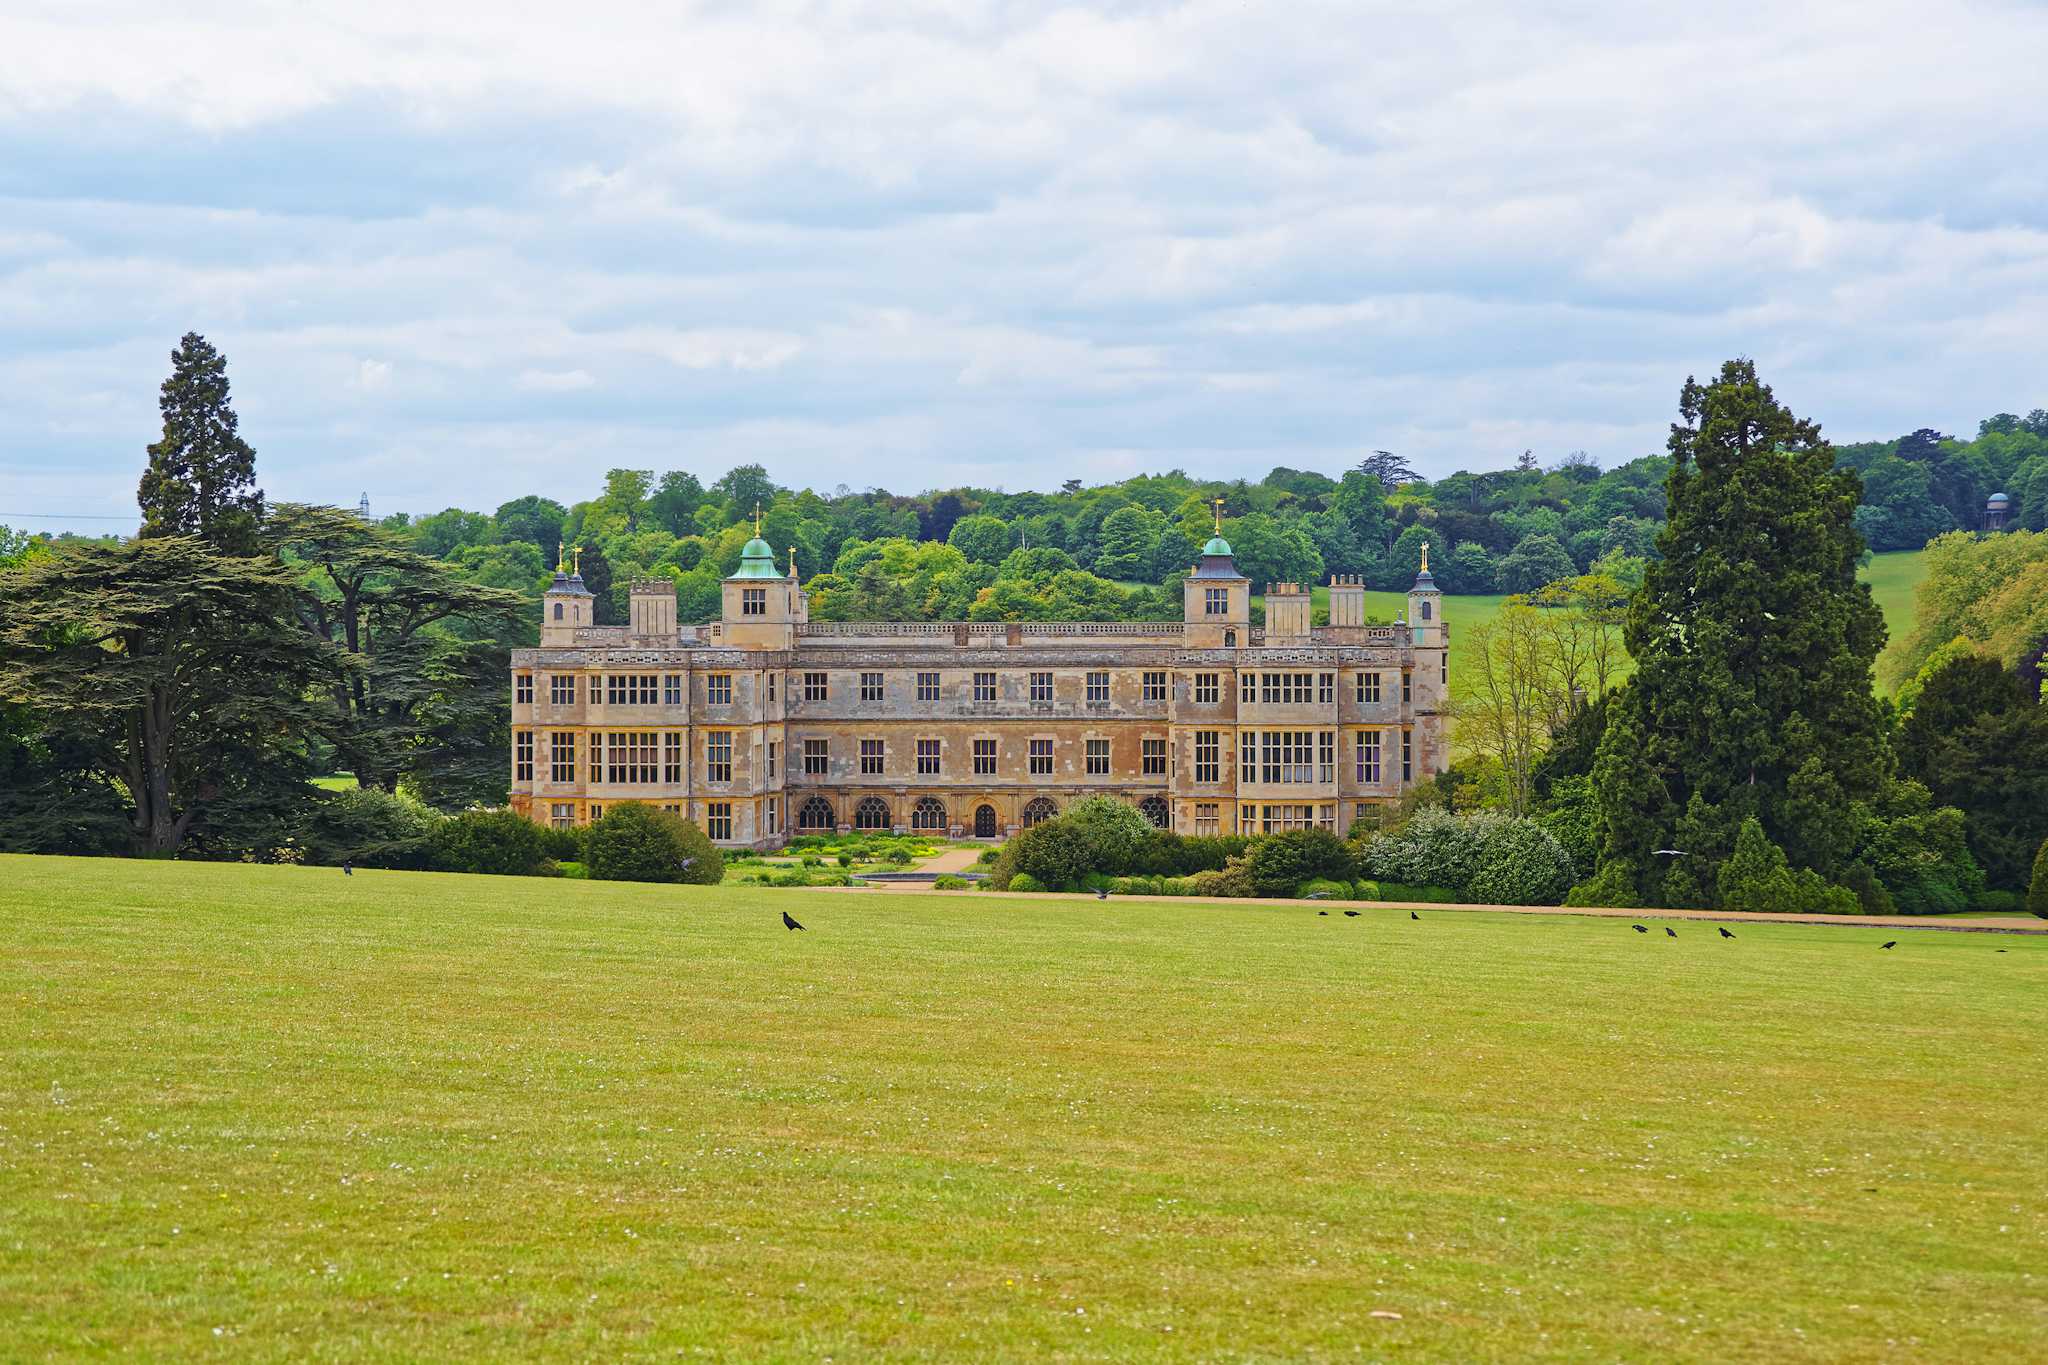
1038	811
871	813
928	813
815	813
984	822
1154	808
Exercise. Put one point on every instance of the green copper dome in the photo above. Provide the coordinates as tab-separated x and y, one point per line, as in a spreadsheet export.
757	561
1217	546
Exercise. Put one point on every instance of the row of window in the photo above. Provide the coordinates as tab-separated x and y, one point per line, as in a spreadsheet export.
717	816
633	757
641	689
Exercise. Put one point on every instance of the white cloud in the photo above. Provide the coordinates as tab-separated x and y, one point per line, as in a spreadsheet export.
968	239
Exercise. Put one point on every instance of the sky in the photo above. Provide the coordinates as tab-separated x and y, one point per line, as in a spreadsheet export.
460	252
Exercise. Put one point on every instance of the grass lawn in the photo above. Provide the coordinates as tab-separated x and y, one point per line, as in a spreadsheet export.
336	782
273	1113
1892	578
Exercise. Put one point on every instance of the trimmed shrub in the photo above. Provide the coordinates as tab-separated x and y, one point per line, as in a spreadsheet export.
636	842
495	842
1229	880
563	845
1520	863
1436	848
370	828
1166	854
950	883
1399	891
1328	888
1999	902
1280	862
573	870
1024	881
1869	892
1114	830
2037	894
1611	887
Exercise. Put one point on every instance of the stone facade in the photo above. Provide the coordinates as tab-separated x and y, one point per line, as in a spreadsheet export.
766	724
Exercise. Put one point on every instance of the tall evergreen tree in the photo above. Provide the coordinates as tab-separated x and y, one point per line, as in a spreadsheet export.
161	673
201	479
1978	739
420	693
1753	644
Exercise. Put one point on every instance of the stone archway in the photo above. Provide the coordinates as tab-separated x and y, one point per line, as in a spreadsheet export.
1039	810
871	813
816	813
1155	809
928	813
985	821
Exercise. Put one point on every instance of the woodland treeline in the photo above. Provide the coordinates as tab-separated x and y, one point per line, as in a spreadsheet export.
1680	694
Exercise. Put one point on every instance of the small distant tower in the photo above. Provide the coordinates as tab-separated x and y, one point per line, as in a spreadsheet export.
363	507
761	606
566	606
1997	508
1216	602
1425	607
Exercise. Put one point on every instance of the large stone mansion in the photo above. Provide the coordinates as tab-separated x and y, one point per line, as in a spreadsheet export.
766	723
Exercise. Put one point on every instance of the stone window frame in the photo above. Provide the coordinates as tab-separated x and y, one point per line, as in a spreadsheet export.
1032	756
1095	755
993	756
1152	755
874	685
718	689
874	756
817	751
929	751
927	686
522	689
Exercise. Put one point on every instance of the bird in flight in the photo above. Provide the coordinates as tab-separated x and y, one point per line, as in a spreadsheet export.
1317	896
1893	944
1724	932
1639	928
1101	895
1350	914
789	923
1670	931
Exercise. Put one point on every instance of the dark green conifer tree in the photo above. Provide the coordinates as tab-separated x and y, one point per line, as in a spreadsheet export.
1753	644
201	479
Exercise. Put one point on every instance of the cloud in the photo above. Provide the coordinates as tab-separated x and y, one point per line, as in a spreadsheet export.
929	243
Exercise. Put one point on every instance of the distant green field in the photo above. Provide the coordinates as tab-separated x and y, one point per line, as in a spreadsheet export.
1892	578
275	1113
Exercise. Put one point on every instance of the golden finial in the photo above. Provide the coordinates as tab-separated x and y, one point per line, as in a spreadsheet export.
561	555
792	561
1425	556
576	560
1218	509
757	521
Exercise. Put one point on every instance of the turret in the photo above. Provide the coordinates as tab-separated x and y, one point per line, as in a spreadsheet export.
1216	600
1425	608
566	607
761	607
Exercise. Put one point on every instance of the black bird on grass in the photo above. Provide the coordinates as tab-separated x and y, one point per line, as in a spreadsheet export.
1893	944
1724	932
1412	915
1323	913
1350	914
789	923
1639	928
1671	932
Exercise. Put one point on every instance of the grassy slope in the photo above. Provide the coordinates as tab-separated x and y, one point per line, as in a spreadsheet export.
1892	578
401	1115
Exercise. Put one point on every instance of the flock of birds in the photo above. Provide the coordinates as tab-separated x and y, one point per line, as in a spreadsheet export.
1720	929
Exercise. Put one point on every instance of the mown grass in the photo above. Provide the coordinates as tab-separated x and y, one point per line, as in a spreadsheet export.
269	1113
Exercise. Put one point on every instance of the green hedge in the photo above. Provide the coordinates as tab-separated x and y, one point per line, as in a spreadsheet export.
636	842
2037	895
